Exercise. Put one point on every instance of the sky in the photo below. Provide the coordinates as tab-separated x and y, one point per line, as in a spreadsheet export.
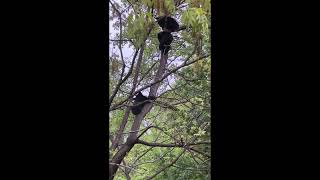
127	51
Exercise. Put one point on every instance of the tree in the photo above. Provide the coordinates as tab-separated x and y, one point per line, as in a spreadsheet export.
171	136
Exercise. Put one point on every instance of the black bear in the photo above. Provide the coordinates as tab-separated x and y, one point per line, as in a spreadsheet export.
167	23
165	39
137	100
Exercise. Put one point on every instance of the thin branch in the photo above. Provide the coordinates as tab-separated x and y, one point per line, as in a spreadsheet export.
161	79
172	71
118	136
169	145
172	89
121	54
125	119
121	165
121	81
202	153
126	171
129	132
179	102
156	128
130	71
144	153
155	160
164	168
190	169
124	79
121	40
144	75
146	129
132	6
203	126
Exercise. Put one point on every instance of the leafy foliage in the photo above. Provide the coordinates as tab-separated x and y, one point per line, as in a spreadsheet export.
183	106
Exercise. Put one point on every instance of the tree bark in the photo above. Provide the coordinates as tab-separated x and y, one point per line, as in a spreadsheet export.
127	112
132	138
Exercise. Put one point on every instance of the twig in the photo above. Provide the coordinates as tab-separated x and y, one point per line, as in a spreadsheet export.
164	168
161	79
169	145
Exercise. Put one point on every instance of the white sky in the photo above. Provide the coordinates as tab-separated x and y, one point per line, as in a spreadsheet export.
127	51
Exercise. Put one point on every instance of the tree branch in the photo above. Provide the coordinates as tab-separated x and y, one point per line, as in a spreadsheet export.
169	145
164	76
190	169
123	80
172	71
121	165
121	54
204	154
155	160
129	73
121	40
144	75
164	168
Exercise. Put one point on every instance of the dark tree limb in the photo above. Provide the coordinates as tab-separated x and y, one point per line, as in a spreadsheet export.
170	72
131	140
161	79
127	113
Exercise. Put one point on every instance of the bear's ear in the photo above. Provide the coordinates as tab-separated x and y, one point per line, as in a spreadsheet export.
139	95
159	18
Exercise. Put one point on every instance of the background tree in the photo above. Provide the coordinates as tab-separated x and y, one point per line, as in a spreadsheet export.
170	138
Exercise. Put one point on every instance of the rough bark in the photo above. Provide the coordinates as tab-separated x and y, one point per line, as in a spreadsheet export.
127	112
132	138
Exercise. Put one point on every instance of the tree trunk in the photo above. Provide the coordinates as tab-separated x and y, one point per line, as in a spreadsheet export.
119	135
132	139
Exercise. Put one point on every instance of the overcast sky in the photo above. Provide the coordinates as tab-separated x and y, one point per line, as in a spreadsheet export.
127	51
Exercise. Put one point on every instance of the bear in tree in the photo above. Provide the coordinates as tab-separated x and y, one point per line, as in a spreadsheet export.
165	39
168	25
138	105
